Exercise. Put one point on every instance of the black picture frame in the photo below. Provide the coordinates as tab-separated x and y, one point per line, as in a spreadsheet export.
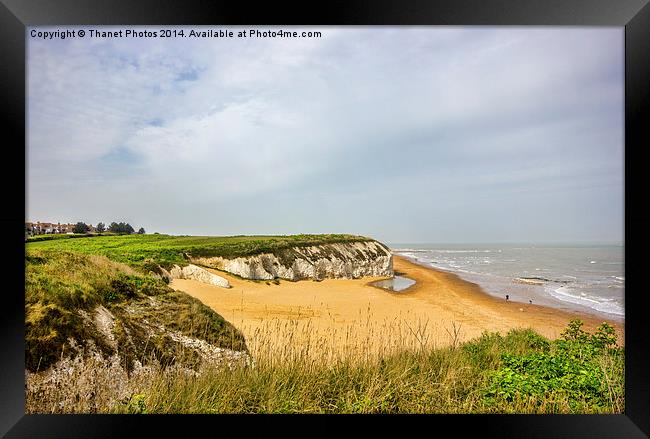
15	15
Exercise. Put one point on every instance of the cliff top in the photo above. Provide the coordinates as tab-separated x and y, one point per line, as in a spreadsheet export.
150	251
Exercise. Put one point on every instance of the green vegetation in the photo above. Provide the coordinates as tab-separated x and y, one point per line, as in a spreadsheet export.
62	290
121	228
492	374
520	372
148	251
581	371
37	238
67	280
81	228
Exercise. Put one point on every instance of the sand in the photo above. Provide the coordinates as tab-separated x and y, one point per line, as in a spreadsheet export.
439	310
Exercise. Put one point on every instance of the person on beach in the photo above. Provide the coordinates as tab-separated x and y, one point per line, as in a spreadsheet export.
530	301
507	297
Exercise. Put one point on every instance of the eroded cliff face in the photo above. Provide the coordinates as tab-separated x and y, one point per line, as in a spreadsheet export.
342	260
127	350
196	273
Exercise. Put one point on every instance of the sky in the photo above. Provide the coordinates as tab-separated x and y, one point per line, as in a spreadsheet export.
405	134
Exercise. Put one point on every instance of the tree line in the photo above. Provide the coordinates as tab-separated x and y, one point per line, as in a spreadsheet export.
119	228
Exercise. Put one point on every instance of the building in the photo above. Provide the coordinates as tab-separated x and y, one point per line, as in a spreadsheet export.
43	228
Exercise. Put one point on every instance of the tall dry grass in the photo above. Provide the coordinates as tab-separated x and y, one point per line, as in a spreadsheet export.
295	366
393	367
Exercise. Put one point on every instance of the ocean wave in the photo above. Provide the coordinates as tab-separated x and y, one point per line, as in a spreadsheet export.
530	280
538	280
460	270
415	250
450	266
461	251
409	255
419	250
566	294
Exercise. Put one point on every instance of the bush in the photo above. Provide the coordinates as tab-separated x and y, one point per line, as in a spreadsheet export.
81	228
570	369
136	404
121	228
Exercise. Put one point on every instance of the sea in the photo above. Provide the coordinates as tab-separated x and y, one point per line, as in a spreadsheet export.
585	278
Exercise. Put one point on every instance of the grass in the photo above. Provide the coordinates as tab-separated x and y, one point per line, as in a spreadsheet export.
395	368
149	251
52	237
63	288
474	377
479	376
38	238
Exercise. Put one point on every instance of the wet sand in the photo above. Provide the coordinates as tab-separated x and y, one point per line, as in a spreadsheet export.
440	308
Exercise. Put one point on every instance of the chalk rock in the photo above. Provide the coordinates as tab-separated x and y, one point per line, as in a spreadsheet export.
199	274
341	260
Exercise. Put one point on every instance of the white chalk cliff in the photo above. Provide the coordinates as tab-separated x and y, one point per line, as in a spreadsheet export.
340	260
199	274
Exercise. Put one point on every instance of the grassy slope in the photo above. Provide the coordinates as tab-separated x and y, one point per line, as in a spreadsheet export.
521	372
58	284
166	250
482	376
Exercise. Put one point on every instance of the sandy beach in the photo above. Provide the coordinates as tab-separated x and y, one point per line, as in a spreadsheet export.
438	310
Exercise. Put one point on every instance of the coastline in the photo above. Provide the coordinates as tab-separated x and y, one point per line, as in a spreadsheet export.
546	303
548	321
440	308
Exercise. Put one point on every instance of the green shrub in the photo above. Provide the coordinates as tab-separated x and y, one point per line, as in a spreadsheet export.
569	368
137	404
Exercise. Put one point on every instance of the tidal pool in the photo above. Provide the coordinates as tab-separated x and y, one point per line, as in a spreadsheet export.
397	283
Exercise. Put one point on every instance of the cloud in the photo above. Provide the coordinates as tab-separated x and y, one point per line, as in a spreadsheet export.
179	130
